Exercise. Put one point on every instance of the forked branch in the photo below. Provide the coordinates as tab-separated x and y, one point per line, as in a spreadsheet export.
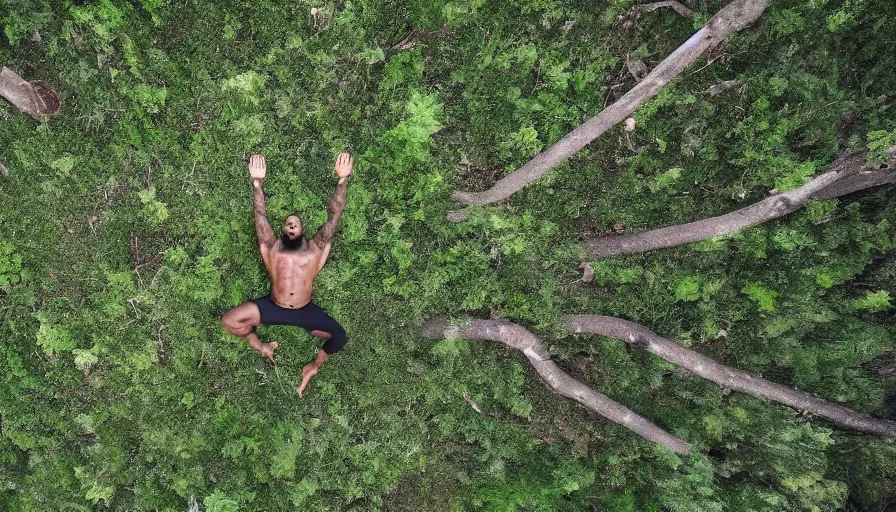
556	379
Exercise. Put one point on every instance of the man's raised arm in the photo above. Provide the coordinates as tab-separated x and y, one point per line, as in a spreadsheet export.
336	204
258	170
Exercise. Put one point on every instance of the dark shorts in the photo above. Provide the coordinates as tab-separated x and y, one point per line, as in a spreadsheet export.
309	317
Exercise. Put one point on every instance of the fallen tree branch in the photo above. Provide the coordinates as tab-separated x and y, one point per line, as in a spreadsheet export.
859	181
677	6
725	376
847	174
556	379
415	36
734	17
33	98
721	87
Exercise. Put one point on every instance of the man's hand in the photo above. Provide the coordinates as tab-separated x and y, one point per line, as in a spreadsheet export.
257	167
344	164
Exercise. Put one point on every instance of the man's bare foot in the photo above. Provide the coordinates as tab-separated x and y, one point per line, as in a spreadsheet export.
310	370
267	350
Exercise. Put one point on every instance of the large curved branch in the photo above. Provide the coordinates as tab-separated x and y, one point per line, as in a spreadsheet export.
847	174
725	376
734	17
556	379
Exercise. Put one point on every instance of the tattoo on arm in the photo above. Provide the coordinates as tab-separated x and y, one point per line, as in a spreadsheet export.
262	227
335	206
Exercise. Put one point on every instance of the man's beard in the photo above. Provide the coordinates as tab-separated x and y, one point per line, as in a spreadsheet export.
292	244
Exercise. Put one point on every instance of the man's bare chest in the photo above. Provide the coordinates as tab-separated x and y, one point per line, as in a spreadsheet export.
294	263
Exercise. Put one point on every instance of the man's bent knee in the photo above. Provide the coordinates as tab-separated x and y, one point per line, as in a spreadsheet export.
336	342
236	328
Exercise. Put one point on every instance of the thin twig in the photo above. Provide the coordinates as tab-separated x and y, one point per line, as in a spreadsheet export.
472	404
152	261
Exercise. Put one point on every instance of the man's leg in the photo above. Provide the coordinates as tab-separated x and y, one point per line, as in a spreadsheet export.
311	369
321	325
241	321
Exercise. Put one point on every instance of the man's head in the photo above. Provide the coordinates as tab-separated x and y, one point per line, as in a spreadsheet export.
293	232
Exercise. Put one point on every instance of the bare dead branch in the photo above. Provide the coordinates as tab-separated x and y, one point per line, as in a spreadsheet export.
416	36
730	378
458	215
859	181
677	6
556	379
407	42
157	258
721	87
847	174
734	17
472	403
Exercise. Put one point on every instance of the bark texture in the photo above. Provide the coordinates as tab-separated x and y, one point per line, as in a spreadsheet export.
734	17
32	98
846	175
640	337
859	181
556	379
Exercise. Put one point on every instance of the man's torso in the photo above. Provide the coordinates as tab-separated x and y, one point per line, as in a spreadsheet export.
292	274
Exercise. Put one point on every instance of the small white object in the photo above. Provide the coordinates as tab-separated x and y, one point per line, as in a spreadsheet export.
630	124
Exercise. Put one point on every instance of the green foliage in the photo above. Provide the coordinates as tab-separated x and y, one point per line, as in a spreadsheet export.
127	232
665	180
219	502
761	295
874	301
878	142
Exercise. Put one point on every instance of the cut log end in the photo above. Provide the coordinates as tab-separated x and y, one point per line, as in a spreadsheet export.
33	98
47	100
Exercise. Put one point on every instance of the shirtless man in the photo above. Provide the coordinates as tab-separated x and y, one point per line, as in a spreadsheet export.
293	261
